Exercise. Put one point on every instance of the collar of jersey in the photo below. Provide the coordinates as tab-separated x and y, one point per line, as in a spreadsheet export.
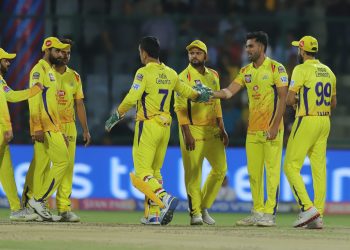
311	61
154	63
192	69
45	64
266	63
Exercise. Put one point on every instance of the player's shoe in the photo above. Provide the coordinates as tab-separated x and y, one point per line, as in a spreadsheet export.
69	216
306	217
151	220
315	224
41	209
24	214
251	220
267	220
167	213
196	220
207	219
55	218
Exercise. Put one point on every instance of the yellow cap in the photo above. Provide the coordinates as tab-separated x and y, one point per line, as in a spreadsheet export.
198	44
5	55
307	43
53	42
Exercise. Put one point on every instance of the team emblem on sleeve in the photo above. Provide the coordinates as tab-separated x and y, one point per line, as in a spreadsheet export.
284	79
139	77
281	69
36	75
248	78
291	83
6	88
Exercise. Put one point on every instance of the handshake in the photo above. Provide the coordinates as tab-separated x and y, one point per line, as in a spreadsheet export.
204	92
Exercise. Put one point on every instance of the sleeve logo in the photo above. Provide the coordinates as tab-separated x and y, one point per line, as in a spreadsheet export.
136	86
281	69
36	76
284	79
7	89
139	77
248	78
291	83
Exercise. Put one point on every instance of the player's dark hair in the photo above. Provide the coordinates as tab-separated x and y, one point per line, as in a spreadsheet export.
259	36
313	54
150	44
67	41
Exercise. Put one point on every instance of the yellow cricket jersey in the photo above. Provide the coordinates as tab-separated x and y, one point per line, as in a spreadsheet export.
69	89
44	108
262	84
202	114
9	95
316	84
151	91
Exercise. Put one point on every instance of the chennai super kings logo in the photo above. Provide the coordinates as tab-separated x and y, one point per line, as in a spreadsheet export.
248	78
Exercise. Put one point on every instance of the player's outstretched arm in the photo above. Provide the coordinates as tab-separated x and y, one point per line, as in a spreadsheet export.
112	121
228	92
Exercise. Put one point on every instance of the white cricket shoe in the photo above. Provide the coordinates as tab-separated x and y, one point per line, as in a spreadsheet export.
315	224
24	214
196	220
69	216
167	213
41	209
151	220
267	220
55	218
251	220
207	218
306	217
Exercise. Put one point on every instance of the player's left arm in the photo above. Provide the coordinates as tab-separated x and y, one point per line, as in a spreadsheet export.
295	85
21	95
334	93
281	83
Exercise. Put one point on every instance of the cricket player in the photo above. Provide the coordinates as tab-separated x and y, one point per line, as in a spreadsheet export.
46	128
266	81
70	97
151	91
202	135
7	178
313	90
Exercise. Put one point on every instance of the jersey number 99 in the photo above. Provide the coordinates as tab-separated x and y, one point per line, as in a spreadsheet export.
323	93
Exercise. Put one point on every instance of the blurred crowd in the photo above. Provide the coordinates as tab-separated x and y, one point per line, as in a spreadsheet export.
107	35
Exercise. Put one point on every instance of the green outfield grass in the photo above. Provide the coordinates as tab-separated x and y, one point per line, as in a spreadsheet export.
122	230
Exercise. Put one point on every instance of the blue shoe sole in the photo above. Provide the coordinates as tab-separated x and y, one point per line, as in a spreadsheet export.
169	214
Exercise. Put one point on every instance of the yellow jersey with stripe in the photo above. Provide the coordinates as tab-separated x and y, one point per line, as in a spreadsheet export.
194	113
151	92
9	95
262	84
43	108
315	84
69	89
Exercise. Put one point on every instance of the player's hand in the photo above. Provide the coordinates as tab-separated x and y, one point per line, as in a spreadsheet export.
112	121
224	137
190	142
39	136
39	85
87	138
204	92
272	133
8	136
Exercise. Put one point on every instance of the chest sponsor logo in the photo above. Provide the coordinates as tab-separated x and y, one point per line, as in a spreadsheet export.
281	69
136	86
256	88
265	77
35	75
248	78
61	93
51	77
6	89
139	77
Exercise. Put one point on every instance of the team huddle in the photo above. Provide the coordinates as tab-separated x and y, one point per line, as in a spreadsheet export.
311	91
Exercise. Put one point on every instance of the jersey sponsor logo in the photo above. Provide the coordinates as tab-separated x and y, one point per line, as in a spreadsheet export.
256	88
139	77
291	83
35	75
284	79
52	78
61	93
136	86
248	78
7	89
281	69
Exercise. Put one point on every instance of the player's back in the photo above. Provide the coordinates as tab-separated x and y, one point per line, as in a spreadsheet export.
318	86
159	83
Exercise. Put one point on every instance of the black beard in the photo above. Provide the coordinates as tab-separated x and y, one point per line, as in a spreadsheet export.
197	64
53	60
300	59
3	70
